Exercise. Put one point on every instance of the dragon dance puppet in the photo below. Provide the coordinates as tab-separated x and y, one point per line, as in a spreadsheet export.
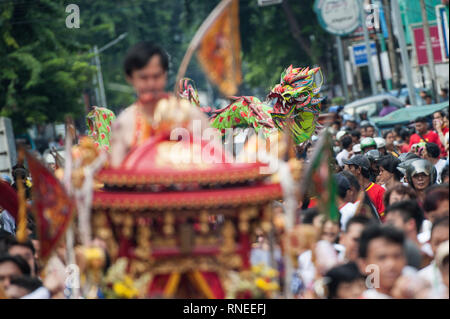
188	91
296	106
297	102
245	111
99	123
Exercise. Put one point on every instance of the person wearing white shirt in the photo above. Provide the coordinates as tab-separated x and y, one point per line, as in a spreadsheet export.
346	197
347	145
432	154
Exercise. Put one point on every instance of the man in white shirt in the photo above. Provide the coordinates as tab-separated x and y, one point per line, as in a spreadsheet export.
347	196
347	145
432	155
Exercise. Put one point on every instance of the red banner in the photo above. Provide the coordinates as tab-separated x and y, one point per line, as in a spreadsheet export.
8	199
421	47
220	49
52	206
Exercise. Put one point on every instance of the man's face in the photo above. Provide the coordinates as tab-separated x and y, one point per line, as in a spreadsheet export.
16	292
351	290
368	148
352	169
26	254
383	175
438	236
370	131
390	139
330	231
395	219
440	211
350	240
149	80
421	128
8	270
363	131
437	116
421	181
351	125
396	197
390	259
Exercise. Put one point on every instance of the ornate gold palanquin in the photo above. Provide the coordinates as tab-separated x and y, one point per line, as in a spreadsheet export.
185	221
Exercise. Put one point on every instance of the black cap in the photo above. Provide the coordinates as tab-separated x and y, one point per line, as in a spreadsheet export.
358	160
342	181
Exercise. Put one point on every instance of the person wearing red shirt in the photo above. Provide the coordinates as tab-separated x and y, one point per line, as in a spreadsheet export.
440	125
359	166
424	135
376	195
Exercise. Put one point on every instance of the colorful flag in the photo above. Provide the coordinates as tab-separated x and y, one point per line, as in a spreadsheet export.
319	179
52	206
220	48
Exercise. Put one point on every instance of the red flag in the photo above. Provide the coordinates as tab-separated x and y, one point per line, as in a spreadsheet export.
8	199
52	206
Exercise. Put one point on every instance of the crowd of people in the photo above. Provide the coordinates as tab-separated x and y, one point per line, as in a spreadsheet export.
403	174
391	239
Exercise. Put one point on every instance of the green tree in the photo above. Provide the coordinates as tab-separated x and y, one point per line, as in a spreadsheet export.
43	66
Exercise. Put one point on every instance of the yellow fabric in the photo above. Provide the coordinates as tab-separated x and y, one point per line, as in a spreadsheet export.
172	284
22	214
202	285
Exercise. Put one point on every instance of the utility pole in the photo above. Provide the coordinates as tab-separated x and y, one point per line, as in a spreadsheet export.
100	78
390	44
342	67
95	82
101	96
430	56
384	57
373	84
403	51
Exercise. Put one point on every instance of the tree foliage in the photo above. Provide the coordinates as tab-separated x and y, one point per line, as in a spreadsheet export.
46	66
43	66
